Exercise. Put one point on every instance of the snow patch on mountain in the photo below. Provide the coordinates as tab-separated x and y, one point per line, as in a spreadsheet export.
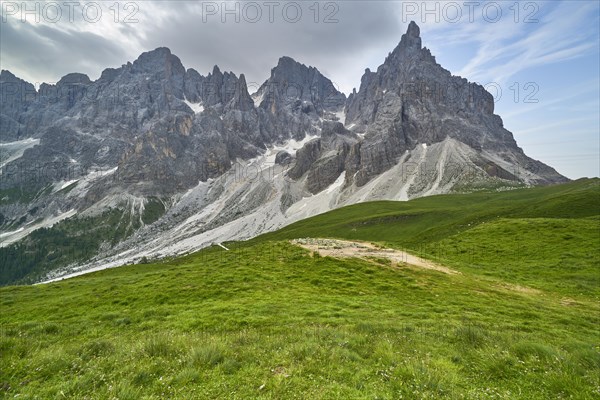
197	108
290	146
67	184
258	98
8	238
341	116
11	151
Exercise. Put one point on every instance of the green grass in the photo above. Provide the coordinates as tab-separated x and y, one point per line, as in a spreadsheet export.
546	237
153	210
558	254
436	217
270	320
22	195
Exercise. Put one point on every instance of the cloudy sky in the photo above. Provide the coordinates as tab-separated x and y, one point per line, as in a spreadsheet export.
540	59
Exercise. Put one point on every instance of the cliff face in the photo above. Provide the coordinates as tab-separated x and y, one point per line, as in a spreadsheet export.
412	100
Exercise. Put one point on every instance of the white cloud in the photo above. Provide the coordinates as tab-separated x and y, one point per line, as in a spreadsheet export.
506	48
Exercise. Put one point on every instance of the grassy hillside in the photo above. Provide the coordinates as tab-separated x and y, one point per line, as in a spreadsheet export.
271	320
547	237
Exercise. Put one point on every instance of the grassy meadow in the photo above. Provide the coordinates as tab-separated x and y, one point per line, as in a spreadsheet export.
270	320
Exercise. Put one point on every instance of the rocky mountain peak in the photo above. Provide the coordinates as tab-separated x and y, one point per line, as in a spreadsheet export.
74	79
242	86
290	70
109	74
413	30
412	100
21	87
287	65
216	71
410	42
241	98
288	61
7	76
158	60
291	82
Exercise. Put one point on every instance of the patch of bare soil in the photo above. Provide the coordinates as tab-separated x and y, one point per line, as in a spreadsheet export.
566	301
347	249
520	289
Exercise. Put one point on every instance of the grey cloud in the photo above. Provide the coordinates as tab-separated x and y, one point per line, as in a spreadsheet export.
340	50
255	48
46	53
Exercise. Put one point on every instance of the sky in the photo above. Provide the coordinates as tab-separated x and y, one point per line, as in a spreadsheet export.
540	59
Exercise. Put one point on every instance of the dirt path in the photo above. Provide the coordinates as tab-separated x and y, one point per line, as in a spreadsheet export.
346	249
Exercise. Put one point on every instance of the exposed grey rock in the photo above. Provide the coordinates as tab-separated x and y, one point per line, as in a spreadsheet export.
305	158
411	99
15	96
324	158
192	85
283	158
295	98
241	99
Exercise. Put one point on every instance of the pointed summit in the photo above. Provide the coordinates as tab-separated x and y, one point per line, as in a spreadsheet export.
242	83
413	30
241	99
411	40
288	66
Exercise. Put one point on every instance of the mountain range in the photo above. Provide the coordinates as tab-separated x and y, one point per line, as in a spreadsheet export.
153	159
